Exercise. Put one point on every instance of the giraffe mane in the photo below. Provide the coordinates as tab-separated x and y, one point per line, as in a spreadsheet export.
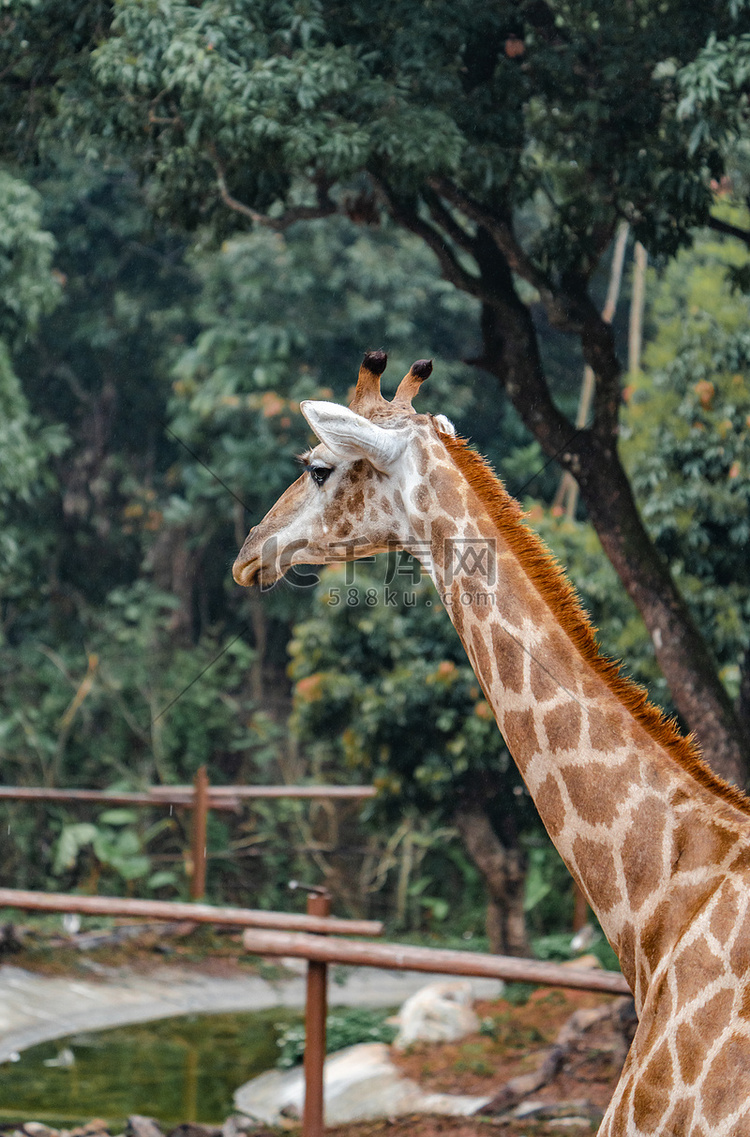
548	577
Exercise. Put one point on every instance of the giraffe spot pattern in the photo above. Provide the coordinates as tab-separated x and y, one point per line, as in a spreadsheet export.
690	1052
621	1113
421	498
597	790
605	729
596	865
670	918
549	802
448	494
694	968
543	686
442	532
475	598
696	844
508	660
739	956
626	953
661	997
422	460
680	1119
521	737
642	859
741	863
725	1084
744	1009
563	727
712	1017
651	1089
483	667
456	609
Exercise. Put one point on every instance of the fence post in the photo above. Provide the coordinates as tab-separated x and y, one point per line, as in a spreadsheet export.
198	834
318	904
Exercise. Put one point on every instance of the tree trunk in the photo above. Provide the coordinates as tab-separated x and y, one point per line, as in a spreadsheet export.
511	353
681	651
504	873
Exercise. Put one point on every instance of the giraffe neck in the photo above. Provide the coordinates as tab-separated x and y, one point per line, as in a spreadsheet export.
613	782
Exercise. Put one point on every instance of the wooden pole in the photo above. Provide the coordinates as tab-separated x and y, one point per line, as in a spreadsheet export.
198	834
178	910
316	1009
439	961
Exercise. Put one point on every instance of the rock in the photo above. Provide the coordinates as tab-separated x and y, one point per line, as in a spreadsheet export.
361	1083
192	1129
65	1059
439	1012
236	1125
12	939
138	1126
37	1129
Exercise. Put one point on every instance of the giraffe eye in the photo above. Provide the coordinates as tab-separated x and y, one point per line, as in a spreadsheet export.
320	474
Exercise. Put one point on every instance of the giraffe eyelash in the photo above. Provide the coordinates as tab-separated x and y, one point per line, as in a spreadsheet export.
318	473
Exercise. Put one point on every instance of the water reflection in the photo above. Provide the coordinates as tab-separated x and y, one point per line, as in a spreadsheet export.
175	1070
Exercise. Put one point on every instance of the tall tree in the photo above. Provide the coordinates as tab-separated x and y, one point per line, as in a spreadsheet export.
453	120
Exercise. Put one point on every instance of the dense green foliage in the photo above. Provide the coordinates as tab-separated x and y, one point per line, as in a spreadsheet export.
511	100
688	442
207	212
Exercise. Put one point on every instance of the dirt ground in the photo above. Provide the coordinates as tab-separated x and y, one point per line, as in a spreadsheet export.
140	948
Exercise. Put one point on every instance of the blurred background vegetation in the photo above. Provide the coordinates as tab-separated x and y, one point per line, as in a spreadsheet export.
175	278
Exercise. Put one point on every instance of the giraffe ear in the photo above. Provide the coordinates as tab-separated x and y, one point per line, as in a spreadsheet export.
350	436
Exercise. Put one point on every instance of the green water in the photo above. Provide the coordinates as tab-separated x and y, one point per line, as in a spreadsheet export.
175	1070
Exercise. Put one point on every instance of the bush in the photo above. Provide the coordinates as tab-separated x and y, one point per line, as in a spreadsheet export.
345	1027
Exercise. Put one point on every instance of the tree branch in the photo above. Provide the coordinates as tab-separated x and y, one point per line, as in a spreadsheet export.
511	352
326	206
598	344
451	270
446	221
728	230
560	312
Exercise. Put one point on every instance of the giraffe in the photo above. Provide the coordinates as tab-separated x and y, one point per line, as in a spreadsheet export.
658	843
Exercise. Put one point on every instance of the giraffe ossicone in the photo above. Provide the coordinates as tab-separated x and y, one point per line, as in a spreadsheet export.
658	843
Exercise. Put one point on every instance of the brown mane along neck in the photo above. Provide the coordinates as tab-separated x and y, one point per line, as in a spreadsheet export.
545	573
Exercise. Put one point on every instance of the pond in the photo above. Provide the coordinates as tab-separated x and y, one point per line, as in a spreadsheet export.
174	1070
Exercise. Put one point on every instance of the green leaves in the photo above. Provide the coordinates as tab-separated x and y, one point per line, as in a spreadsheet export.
114	842
28	288
688	445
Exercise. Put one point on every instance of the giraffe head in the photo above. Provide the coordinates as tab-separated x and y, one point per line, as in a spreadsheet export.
351	500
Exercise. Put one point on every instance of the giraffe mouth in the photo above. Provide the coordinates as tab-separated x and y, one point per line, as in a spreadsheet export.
246	572
254	572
